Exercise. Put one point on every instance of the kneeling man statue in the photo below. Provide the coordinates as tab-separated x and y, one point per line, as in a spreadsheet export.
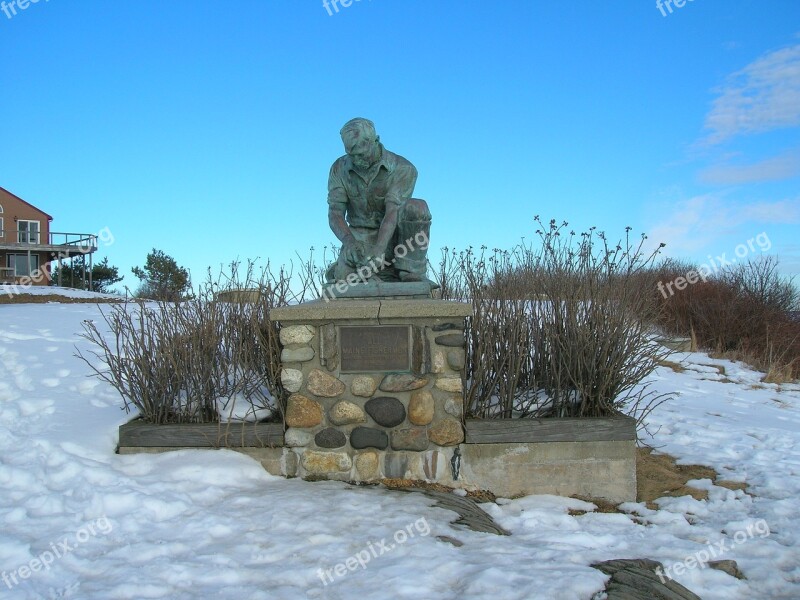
383	230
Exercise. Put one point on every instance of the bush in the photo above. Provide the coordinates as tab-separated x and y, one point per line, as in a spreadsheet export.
743	312
187	362
560	329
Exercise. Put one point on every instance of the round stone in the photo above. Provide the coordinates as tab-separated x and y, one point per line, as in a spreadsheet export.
296	334
402	382
434	465
363	386
455	340
421	407
295	438
302	412
330	437
439	362
450	384
367	464
386	411
454	407
368	437
345	413
395	465
415	438
292	380
324	385
290	355
319	463
455	358
447	432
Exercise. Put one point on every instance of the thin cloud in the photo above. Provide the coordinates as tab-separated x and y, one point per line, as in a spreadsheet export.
785	212
696	223
763	96
785	166
682	229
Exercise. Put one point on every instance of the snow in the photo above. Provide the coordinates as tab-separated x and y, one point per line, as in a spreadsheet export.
45	290
79	521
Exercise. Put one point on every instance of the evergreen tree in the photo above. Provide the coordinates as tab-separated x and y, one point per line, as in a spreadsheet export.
162	278
104	276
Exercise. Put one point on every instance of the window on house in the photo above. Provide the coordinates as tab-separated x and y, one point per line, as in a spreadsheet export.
21	265
28	232
2	230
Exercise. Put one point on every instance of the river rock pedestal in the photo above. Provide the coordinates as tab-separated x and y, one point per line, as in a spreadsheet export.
375	386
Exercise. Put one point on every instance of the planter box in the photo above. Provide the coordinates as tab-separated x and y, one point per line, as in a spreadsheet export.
138	434
591	457
241	296
498	431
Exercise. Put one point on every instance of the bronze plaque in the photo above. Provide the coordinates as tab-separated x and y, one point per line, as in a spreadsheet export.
365	349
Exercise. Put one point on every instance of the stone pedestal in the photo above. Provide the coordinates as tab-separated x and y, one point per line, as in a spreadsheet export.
376	387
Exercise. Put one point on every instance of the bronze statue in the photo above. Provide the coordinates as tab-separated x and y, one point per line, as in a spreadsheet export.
383	230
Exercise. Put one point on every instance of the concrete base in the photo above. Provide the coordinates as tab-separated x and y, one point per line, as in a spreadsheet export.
604	470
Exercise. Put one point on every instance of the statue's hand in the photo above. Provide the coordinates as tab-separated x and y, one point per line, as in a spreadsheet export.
354	252
374	256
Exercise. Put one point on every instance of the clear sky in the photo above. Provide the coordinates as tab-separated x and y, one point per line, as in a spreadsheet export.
207	129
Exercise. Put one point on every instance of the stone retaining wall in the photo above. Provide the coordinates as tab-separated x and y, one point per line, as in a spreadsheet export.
363	426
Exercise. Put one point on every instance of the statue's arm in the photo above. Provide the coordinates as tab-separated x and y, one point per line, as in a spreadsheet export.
401	187
339	226
337	207
388	225
353	250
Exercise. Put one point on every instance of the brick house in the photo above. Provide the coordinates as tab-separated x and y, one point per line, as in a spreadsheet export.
27	246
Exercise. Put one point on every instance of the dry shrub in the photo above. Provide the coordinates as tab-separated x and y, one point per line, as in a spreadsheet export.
183	362
744	312
559	329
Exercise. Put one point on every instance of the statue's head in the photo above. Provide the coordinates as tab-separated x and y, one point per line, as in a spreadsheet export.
361	142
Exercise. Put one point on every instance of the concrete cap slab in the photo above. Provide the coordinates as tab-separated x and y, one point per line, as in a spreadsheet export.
320	310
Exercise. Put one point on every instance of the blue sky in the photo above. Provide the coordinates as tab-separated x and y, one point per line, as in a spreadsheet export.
207	129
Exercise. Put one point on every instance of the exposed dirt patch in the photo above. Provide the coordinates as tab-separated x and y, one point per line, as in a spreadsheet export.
677	367
657	476
732	485
44	299
720	368
603	506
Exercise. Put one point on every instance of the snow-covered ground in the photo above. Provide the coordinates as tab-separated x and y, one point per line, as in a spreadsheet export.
79	521
47	290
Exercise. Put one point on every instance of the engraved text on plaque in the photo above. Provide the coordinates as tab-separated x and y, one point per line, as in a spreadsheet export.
376	348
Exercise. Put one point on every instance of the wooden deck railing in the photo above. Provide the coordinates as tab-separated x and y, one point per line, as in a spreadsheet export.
56	238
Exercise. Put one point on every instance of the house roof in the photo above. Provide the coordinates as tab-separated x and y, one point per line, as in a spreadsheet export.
2	189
